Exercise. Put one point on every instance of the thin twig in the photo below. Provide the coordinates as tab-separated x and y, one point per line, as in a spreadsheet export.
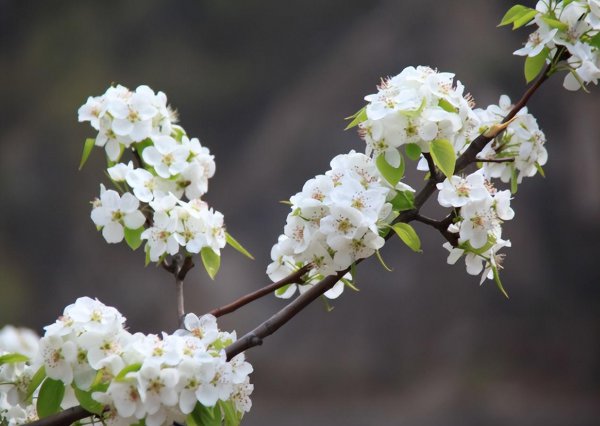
293	278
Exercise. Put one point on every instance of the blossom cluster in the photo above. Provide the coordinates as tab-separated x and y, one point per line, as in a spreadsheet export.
571	25
481	210
160	379
417	106
520	145
16	373
334	221
159	199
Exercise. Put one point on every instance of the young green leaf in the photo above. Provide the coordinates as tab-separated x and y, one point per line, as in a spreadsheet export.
408	234
121	377
357	118
147	259
13	358
211	261
35	382
232	417
282	290
387	268
50	396
404	200
446	106
350	284
133	237
443	156
540	169
390	173
236	245
513	14
87	402
514	184
524	19
413	151
595	41
87	149
498	282
205	416
555	23
533	65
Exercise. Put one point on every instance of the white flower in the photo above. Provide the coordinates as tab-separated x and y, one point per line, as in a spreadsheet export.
161	237
58	357
113	212
146	186
168	157
457	191
119	171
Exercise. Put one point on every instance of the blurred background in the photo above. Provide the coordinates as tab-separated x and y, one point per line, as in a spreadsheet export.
265	85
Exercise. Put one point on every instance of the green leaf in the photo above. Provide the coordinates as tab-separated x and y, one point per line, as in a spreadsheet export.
446	106
232	417
595	41
87	149
443	156
205	416
524	19
533	65
555	23
236	245
35	382
349	284
390	173
141	146
540	169
87	402
13	358
211	261
282	290
121	377
513	14
498	282
50	396
387	268
147	259
357	118
404	200
413	151
133	237
408	234
514	185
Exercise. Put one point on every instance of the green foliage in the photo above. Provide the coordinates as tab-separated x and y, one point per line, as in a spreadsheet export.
533	65
447	106
443	156
357	118
133	237
231	416
518	15
87	149
50	396
413	151
540	169
35	382
387	268
282	290
555	23
404	200
13	358
204	416
236	245
121	377
498	282
211	261
595	41
390	173
514	185
87	402
408	234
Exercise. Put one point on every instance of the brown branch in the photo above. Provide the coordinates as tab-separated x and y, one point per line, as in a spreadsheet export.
293	278
441	226
496	160
434	173
270	326
64	418
179	265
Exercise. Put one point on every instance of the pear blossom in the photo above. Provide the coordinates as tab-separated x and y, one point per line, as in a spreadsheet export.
168	157
113	212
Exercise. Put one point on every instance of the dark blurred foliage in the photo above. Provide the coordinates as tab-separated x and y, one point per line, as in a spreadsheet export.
265	85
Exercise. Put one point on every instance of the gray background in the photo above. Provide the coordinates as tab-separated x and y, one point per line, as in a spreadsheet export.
265	85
